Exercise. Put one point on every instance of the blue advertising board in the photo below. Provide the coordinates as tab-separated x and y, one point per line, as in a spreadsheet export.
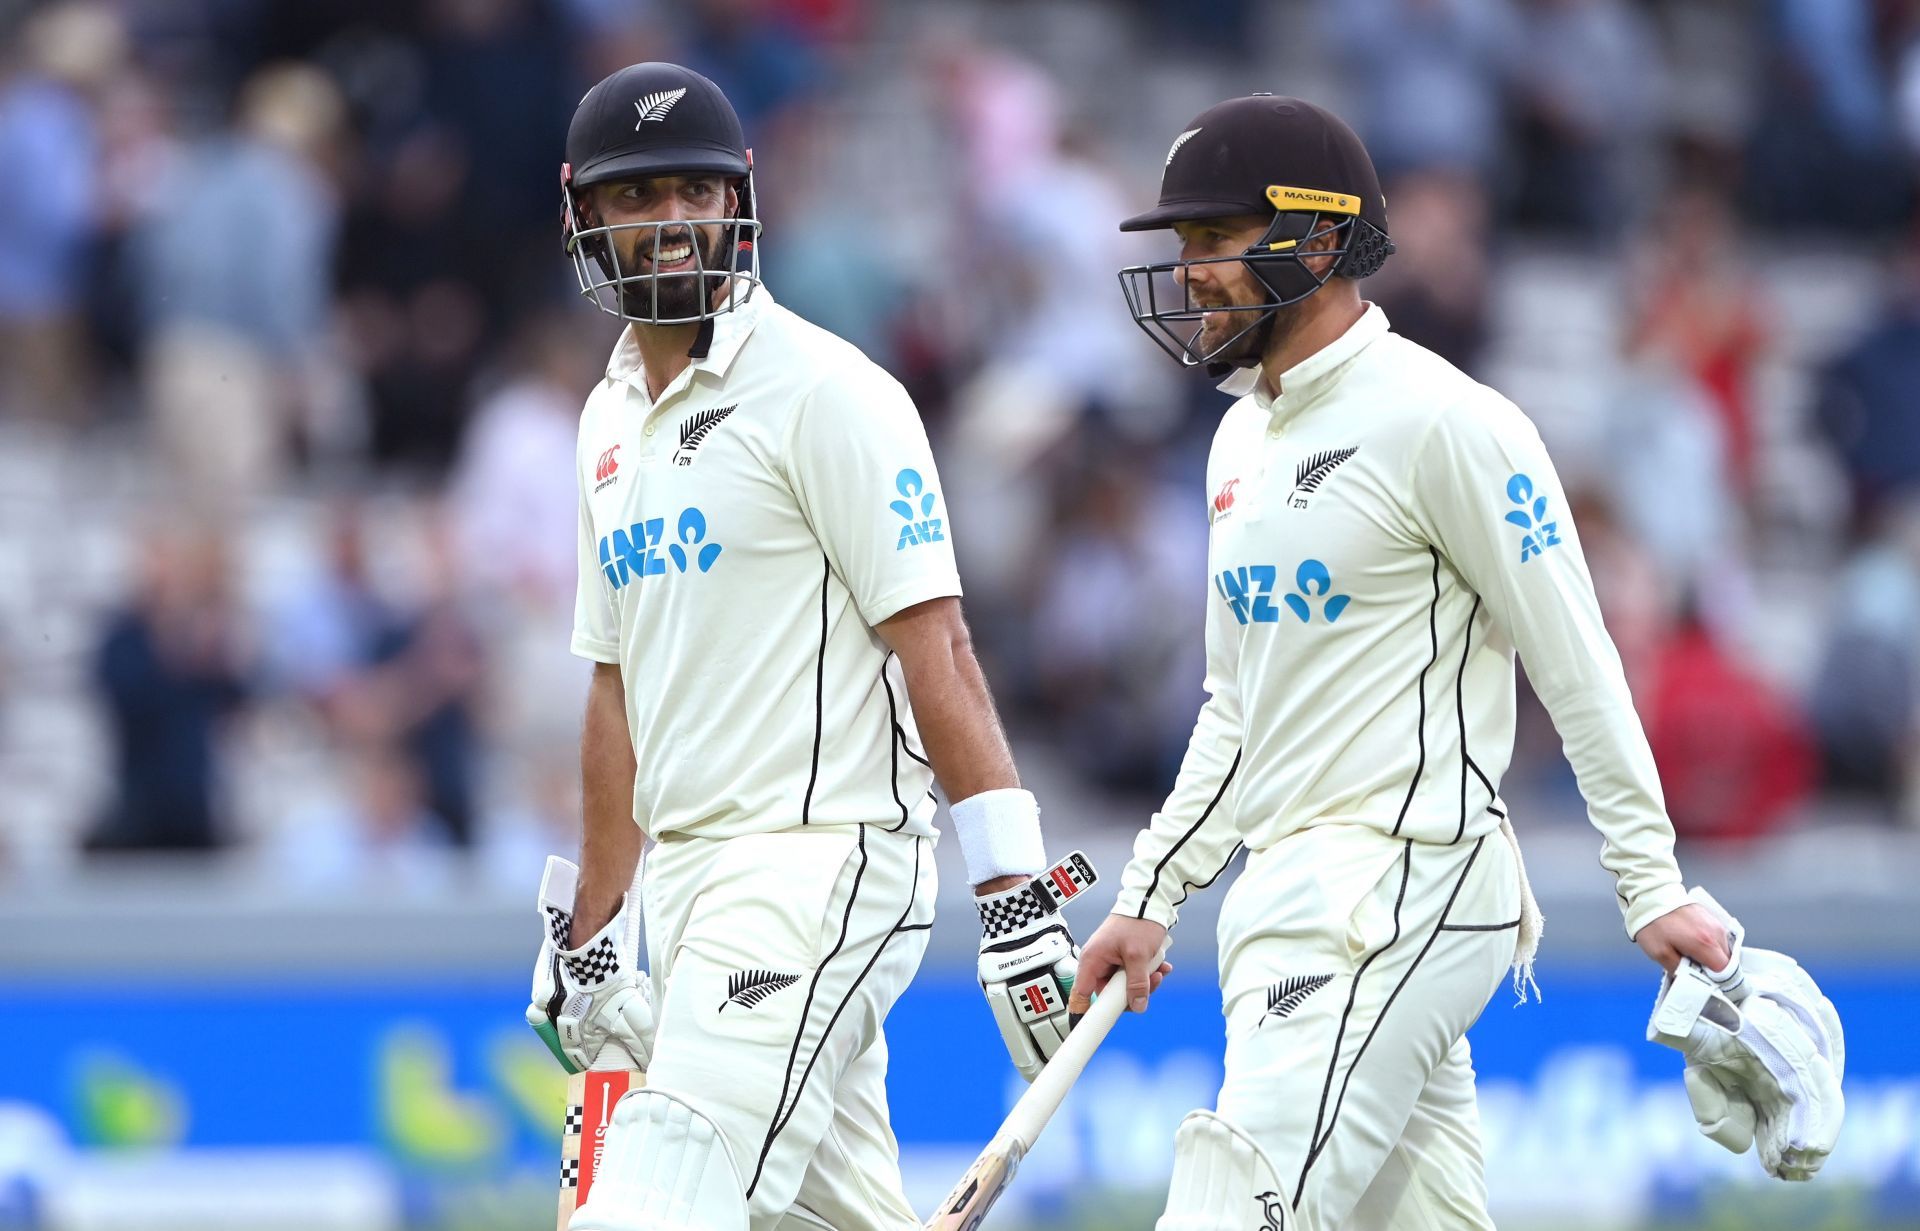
429	1086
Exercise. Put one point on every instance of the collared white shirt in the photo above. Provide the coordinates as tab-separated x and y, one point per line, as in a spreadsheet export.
739	538
1385	533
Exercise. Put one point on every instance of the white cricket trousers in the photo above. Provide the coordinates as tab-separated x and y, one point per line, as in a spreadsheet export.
1351	965
775	959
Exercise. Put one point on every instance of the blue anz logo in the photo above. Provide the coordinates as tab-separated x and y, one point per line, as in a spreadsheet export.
921	525
1540	533
693	531
1314	581
633	554
1248	592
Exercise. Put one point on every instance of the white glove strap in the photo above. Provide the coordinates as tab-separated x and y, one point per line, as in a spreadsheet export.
999	834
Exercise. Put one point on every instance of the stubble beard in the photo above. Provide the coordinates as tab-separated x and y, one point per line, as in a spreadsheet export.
1250	343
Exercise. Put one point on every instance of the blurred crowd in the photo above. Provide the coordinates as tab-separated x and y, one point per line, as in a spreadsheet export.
284	320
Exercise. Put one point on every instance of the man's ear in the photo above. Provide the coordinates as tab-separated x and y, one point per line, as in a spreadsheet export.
1325	235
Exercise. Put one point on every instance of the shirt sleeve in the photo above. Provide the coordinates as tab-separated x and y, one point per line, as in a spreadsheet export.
858	461
1194	835
1487	496
596	625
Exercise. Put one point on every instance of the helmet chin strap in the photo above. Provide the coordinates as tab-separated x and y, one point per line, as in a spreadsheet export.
702	340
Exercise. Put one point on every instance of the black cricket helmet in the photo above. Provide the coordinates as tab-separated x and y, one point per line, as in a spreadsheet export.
645	121
1262	154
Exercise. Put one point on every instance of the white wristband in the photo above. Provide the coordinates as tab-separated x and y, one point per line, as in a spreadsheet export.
999	834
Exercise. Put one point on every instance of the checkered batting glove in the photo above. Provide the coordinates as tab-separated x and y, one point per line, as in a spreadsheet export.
1028	960
585	996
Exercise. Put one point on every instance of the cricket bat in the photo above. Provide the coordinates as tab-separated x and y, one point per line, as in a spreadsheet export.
966	1206
591	1096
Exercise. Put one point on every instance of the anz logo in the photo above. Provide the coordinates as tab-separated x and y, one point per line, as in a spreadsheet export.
1248	592
635	554
1538	533
921	525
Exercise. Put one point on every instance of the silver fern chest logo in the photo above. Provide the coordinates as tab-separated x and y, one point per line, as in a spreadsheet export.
749	987
654	107
1313	471
1179	141
696	429
1288	994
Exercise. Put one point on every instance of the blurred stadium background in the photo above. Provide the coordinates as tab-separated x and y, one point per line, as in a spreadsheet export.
289	369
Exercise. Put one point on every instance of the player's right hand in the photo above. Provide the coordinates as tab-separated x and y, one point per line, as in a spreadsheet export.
1121	943
594	992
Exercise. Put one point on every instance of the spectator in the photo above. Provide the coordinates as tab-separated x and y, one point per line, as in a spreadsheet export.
1589	83
1868	394
1734	757
1110	661
1701	315
515	487
387	672
1429	75
1434	290
1824	118
1866	693
380	832
755	54
170	668
235	268
49	172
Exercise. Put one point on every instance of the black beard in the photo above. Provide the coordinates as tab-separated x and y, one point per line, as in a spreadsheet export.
681	295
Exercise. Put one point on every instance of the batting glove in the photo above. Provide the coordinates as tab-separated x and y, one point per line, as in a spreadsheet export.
1765	1054
585	996
1028	960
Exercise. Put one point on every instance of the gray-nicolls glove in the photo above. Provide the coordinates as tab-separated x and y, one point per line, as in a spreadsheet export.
1765	1053
585	996
1028	960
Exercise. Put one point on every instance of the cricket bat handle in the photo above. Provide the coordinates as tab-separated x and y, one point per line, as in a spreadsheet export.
1045	1095
966	1206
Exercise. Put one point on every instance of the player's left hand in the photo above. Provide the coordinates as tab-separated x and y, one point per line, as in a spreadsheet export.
1028	960
594	993
1691	931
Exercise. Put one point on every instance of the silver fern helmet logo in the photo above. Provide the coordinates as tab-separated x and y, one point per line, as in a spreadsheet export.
1179	141
656	105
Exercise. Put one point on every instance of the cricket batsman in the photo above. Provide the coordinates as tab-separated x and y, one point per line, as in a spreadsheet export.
767	590
1385	535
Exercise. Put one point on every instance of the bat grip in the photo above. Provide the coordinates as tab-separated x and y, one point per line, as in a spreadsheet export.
1044	1096
613	1057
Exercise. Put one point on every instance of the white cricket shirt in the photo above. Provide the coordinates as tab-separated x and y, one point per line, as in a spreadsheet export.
738	540
1384	535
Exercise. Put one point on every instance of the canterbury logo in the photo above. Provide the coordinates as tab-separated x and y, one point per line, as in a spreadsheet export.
608	464
1179	141
697	429
655	106
1286	996
1311	473
750	987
